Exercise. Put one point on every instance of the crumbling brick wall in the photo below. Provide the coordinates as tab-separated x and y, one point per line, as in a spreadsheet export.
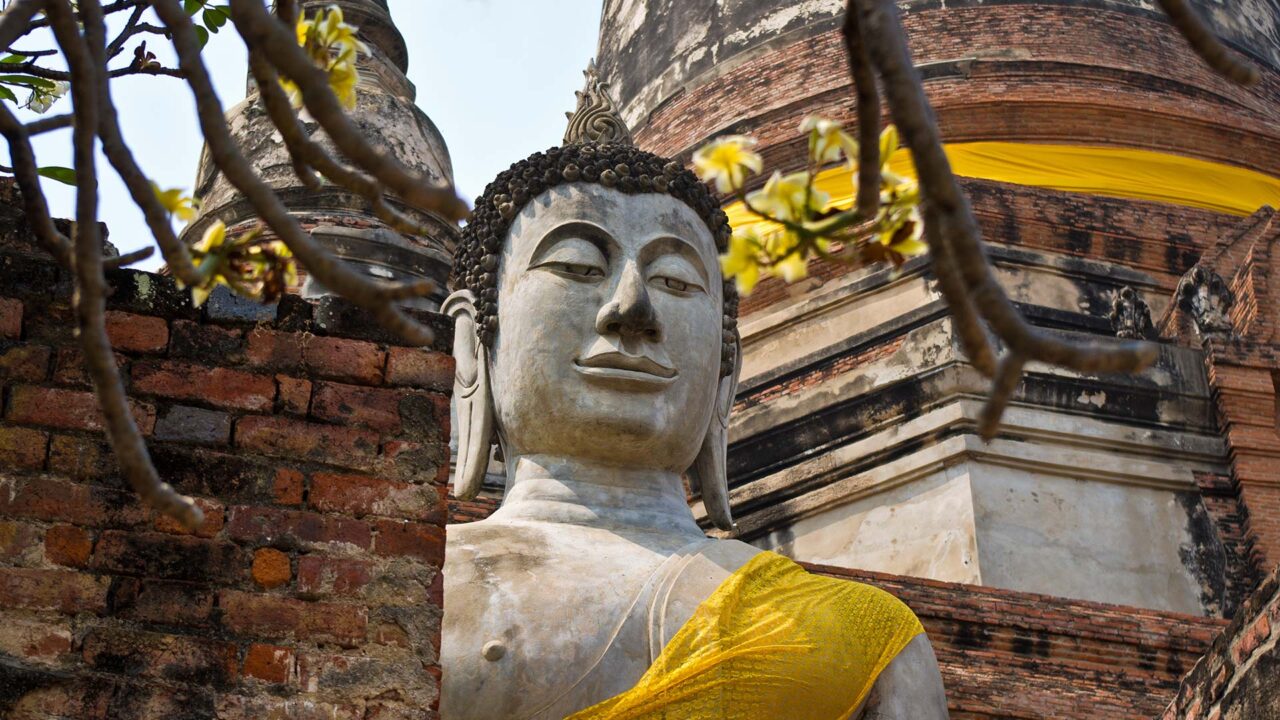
1239	679
317	447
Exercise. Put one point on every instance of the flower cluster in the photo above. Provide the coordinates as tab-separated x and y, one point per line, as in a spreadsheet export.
43	98
333	46
250	264
803	221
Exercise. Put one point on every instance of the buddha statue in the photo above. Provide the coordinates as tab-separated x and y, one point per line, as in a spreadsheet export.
596	344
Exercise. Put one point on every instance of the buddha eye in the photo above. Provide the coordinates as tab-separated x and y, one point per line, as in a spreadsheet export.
564	268
673	284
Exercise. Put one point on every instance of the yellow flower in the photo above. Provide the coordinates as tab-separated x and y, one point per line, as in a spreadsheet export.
177	203
792	268
742	261
726	161
827	139
333	46
784	197
213	238
888	144
903	231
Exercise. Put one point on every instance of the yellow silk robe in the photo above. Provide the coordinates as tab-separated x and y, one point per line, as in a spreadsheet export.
772	642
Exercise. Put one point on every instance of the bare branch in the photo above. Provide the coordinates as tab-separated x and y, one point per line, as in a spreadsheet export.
117	152
307	154
28	179
91	287
1006	382
16	22
263	32
50	123
973	335
868	113
1207	45
128	258
329	271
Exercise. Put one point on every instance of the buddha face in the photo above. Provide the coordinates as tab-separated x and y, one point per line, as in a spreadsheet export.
609	329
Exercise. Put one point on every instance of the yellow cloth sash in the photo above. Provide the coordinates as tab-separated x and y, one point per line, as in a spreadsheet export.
773	642
1107	171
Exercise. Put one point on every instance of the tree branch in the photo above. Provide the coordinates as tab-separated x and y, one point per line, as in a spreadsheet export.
868	113
1207	45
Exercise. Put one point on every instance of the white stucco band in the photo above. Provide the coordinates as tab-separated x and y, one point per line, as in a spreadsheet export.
1075	507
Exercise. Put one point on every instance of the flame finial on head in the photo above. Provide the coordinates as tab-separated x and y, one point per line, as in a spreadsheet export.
596	120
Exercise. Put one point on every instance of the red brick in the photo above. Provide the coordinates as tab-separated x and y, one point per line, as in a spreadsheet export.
268	662
360	495
136	333
214	518
64	591
272	616
222	387
376	408
295	440
69	369
35	641
276	526
70	409
29	363
419	368
294	395
287	488
194	341
274	349
22	448
82	458
20	543
320	576
169	557
68	545
56	500
353	361
400	538
10	318
271	568
181	658
161	601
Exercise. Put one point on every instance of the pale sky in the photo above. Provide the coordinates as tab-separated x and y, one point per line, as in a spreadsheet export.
496	77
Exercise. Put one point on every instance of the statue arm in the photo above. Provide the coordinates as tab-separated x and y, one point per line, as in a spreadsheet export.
910	688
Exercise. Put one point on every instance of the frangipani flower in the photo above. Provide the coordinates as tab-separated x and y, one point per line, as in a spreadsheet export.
177	202
827	139
333	46
726	161
742	261
42	99
784	197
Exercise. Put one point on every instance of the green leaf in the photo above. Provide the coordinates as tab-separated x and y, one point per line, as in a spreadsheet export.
61	174
214	19
27	81
203	35
14	59
192	6
7	94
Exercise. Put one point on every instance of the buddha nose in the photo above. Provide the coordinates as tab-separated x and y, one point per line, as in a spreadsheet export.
629	313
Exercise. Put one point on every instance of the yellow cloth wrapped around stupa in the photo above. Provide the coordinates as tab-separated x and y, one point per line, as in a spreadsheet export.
772	642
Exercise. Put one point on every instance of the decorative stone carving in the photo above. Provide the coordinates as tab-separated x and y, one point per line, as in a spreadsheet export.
596	119
1130	315
1204	295
596	362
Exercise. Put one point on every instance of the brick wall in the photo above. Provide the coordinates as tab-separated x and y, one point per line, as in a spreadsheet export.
1239	678
318	450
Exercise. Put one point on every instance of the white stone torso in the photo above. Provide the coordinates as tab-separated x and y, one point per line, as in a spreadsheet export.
566	644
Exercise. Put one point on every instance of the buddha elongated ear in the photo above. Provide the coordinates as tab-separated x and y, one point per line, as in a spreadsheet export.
471	393
709	472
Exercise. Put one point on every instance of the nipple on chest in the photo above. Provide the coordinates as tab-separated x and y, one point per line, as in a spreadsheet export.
493	650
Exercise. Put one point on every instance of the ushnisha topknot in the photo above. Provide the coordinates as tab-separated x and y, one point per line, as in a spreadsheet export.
622	167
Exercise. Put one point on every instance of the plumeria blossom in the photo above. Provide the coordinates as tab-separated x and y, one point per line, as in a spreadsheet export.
177	202
789	197
742	261
726	160
827	140
250	265
42	99
333	46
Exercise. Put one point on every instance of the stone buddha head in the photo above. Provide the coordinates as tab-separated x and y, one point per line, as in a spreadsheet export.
593	321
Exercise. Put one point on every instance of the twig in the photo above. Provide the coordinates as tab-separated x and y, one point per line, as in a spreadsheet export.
28	179
17	21
175	252
307	154
868	113
1207	45
263	32
1006	381
128	258
52	122
91	287
329	271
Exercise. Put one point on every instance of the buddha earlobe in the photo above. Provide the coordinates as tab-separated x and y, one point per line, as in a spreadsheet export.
710	469
472	394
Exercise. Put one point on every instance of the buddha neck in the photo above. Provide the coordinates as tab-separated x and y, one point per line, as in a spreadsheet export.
569	491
